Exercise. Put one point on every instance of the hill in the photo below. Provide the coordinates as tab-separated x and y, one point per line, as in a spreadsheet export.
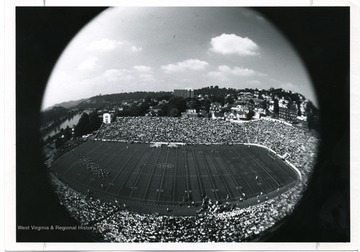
110	100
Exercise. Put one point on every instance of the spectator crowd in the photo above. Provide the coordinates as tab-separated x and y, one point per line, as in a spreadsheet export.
232	224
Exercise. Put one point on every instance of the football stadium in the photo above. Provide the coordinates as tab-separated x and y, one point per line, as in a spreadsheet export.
168	179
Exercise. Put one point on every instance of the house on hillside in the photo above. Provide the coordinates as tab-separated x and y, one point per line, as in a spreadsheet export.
217	116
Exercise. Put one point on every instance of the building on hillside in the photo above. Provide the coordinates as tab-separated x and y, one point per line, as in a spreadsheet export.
217	116
229	116
184	93
106	118
288	114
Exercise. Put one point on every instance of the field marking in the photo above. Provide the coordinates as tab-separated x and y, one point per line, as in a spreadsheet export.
262	167
242	168
197	170
130	173
281	168
186	162
114	154
214	189
162	176
140	173
90	175
284	172
220	175
151	176
259	174
174	178
191	162
237	186
92	150
121	169
72	166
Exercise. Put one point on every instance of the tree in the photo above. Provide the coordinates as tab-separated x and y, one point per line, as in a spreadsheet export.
276	106
144	107
67	133
264	104
194	103
82	128
298	107
313	121
250	114
229	100
289	105
174	112
94	122
206	105
164	109
179	103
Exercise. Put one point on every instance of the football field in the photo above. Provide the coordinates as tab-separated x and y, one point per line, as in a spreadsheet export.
139	175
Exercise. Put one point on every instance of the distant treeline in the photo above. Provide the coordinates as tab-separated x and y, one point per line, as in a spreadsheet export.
103	101
56	115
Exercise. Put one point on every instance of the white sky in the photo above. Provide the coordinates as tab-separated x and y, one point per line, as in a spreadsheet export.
162	48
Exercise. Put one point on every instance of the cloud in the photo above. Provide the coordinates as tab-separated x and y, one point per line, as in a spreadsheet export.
137	73
114	75
88	64
104	45
146	77
238	71
135	48
233	44
111	44
144	69
224	72
254	82
190	64
218	75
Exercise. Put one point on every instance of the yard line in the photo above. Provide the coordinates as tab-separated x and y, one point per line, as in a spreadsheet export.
187	172
201	183
221	176
130	173
120	170
174	179
94	149
253	167
162	175
106	164
281	168
261	166
151	176
90	174
240	168
71	166
140	173
238	187
210	176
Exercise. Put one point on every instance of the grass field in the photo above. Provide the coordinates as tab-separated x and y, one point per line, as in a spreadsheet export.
151	179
